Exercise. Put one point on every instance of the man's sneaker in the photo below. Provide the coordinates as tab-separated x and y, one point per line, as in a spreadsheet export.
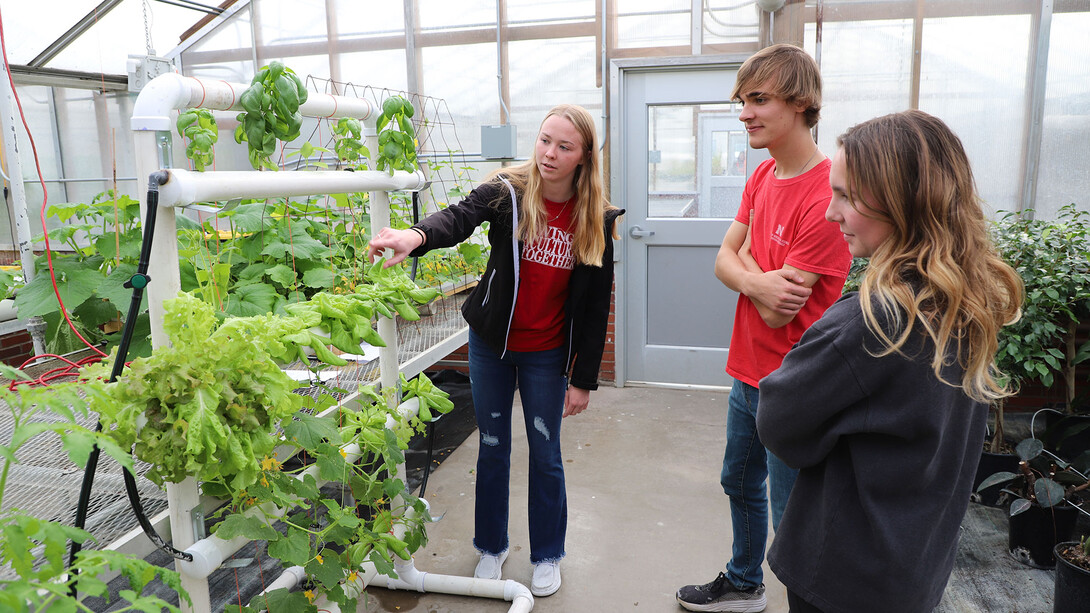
490	566
546	579
721	595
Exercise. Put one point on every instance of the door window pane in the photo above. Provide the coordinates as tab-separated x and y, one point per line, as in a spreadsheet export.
698	160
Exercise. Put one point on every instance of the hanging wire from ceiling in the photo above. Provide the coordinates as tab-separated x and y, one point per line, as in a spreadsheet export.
732	29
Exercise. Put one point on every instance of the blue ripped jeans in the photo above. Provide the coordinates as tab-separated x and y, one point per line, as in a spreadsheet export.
746	465
542	385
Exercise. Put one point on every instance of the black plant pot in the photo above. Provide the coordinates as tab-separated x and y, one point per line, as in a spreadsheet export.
1072	584
1067	435
1033	533
991	463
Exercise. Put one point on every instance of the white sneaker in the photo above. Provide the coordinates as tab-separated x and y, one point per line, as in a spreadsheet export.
490	566
546	579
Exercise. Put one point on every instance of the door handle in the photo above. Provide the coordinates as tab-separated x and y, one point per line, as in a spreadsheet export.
638	232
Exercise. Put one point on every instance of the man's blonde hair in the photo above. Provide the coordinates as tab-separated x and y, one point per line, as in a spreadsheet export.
794	75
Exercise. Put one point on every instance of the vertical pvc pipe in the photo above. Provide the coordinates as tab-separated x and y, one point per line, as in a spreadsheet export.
151	151
18	200
379	208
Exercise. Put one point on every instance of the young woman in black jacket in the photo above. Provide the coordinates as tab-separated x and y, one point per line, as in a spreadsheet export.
537	321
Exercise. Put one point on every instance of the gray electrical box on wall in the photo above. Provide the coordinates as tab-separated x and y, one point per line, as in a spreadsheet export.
498	142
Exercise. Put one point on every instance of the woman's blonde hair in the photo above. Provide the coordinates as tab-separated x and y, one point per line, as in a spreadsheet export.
938	267
589	241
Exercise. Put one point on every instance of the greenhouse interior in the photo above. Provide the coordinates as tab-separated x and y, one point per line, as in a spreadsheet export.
272	268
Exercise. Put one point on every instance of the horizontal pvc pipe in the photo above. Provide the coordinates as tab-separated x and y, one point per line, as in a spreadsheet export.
409	578
210	552
171	91
291	577
185	187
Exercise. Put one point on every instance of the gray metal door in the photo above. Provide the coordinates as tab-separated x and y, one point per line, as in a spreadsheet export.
679	162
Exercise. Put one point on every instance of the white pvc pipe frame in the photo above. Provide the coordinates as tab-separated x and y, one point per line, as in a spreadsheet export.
152	123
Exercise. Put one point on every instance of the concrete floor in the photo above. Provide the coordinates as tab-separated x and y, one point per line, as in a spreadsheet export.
646	514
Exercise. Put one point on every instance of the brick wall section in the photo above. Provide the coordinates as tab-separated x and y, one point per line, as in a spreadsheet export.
16	348
607	373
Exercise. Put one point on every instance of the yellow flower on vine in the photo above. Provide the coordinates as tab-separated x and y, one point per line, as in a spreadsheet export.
352	575
270	463
310	595
344	454
318	557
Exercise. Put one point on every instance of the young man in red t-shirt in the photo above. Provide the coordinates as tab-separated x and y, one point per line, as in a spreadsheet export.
788	264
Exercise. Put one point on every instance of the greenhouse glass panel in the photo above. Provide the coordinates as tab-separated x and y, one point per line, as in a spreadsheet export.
973	77
866	69
654	23
224	53
465	77
104	149
447	15
100	49
40	116
355	19
567	77
290	22
520	11
1064	175
730	21
383	69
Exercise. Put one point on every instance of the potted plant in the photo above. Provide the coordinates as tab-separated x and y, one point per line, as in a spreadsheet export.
1048	498
1051	258
1072	576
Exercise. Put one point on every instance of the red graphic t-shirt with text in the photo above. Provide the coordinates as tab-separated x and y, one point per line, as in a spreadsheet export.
544	271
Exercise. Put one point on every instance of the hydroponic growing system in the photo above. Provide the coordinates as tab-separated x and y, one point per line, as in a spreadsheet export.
152	123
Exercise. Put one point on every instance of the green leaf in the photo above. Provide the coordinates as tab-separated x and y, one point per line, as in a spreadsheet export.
331	466
1029	448
318	278
78	445
329	571
309	430
248	300
292	548
76	281
283	601
239	524
113	289
1048	492
282	275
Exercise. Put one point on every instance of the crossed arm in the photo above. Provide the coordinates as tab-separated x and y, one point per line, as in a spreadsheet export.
778	294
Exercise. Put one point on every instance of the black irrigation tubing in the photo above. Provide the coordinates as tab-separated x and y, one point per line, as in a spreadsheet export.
137	283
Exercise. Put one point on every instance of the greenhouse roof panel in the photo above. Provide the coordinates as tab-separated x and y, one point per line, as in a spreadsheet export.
85	36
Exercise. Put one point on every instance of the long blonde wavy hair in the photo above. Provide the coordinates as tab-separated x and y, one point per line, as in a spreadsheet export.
589	241
938	267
